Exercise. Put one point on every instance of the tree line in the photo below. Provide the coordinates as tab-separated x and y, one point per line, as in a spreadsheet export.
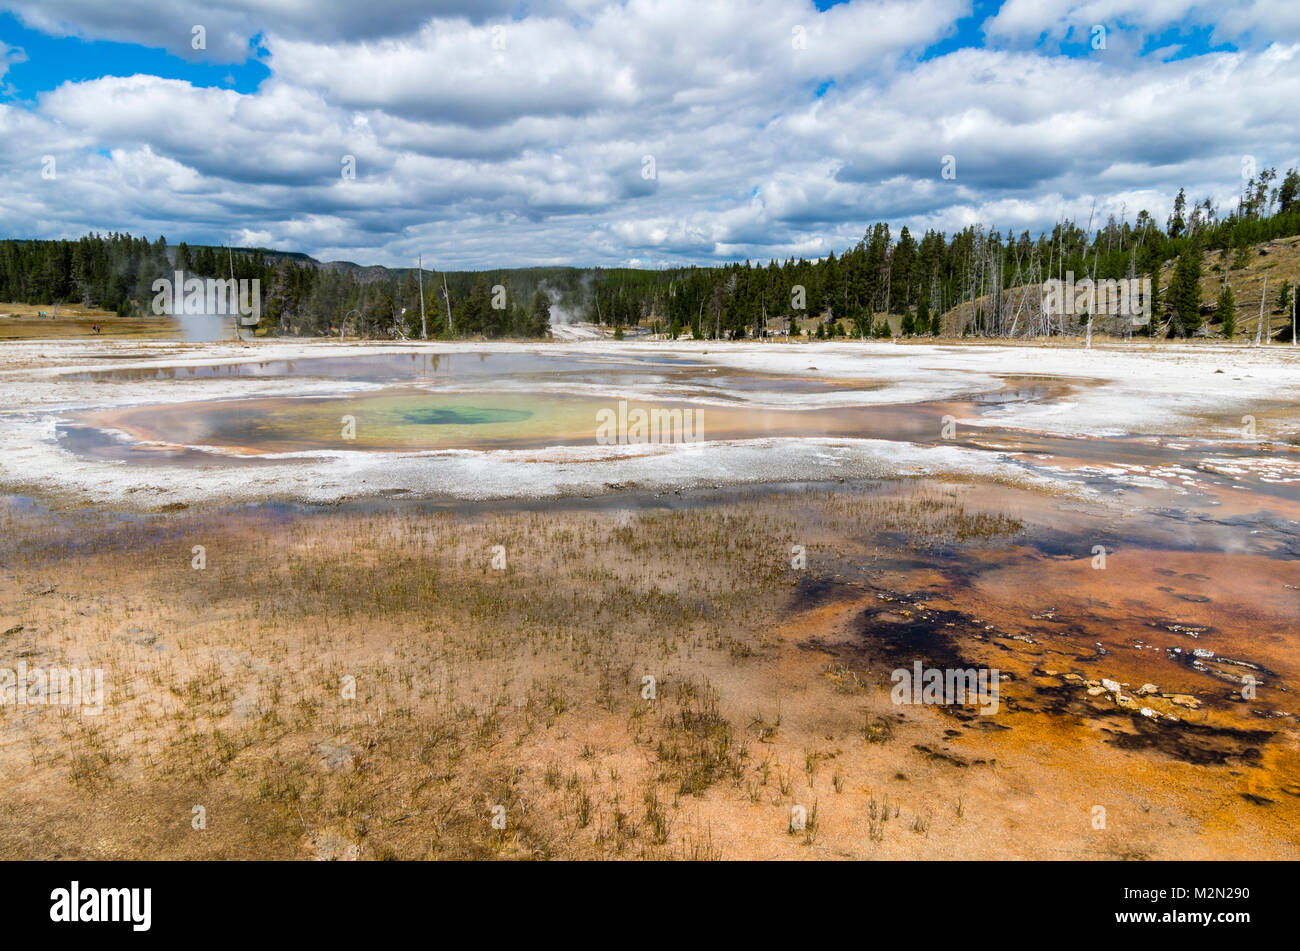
975	281
117	272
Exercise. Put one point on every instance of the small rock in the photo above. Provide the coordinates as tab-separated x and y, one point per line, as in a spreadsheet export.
336	754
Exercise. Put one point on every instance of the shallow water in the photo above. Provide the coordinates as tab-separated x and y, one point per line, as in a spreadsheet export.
477	403
465	402
507	370
407	419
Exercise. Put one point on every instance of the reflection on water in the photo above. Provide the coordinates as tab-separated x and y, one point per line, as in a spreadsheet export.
518	370
91	442
370	368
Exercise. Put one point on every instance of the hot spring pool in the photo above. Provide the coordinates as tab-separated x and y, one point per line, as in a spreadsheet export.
408	419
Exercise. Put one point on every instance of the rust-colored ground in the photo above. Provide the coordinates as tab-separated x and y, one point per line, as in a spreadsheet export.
524	688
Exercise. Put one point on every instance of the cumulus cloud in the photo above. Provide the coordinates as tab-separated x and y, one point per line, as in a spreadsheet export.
652	130
1250	22
231	25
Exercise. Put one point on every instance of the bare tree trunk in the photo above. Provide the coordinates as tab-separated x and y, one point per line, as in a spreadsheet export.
424	327
446	296
1263	295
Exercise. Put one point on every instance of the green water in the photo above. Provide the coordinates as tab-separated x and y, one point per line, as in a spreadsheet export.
390	419
408	419
465	416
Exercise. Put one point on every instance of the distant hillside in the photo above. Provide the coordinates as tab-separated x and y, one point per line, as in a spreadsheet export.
1246	270
376	272
1264	271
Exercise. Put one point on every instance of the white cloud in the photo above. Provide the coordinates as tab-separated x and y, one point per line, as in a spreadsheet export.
8	56
477	156
230	25
1232	21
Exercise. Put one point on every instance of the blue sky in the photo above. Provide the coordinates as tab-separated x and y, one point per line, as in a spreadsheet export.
644	132
53	60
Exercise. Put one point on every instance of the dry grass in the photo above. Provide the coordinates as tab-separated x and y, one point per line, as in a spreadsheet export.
496	714
24	322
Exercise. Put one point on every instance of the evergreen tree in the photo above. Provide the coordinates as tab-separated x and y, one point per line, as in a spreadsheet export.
902	263
1185	293
1289	191
1227	311
1176	224
541	322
